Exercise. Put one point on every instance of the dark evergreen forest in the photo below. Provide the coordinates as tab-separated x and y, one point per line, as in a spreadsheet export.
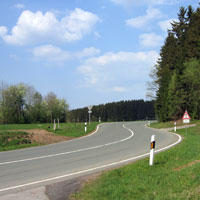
176	76
116	111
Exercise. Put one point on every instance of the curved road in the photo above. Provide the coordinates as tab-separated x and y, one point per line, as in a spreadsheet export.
112	144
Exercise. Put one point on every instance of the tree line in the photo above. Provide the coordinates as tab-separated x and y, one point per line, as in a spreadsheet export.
175	84
21	103
117	111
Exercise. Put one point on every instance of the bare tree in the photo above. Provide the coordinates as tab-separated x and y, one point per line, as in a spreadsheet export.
52	102
152	86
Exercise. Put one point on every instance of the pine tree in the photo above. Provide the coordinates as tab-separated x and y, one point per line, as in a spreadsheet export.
191	79
192	42
166	66
178	69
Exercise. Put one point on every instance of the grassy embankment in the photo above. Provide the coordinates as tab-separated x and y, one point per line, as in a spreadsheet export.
175	175
10	140
171	124
15	140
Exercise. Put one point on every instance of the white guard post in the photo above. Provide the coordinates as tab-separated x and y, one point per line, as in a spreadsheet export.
175	126
85	127
152	147
149	123
54	125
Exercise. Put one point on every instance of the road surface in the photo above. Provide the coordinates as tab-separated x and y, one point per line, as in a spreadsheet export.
111	145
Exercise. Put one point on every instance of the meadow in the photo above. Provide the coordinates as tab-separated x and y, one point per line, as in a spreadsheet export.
175	175
15	136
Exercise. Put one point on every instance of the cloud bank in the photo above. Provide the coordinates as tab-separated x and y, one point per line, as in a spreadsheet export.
33	28
151	40
110	69
52	53
142	21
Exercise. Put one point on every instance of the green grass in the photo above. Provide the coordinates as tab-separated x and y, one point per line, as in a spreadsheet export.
14	140
22	126
75	129
170	124
174	176
11	140
66	129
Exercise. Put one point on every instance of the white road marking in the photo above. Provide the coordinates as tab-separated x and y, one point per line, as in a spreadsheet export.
93	169
69	152
171	145
79	138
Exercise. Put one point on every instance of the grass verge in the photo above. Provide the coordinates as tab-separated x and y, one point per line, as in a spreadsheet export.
66	129
175	175
17	139
170	124
75	129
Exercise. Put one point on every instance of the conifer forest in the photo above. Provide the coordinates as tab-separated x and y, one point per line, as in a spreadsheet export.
175	85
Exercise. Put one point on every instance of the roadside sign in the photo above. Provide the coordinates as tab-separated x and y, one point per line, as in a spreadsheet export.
90	107
186	118
89	111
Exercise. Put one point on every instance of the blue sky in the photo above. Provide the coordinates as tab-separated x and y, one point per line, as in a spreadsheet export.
86	51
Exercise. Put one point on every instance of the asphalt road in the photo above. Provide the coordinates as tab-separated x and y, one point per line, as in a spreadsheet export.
111	145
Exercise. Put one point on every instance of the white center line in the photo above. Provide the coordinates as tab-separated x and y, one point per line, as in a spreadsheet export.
92	169
70	152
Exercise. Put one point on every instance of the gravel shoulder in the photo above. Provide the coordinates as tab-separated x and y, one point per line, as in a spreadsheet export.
57	191
31	194
64	190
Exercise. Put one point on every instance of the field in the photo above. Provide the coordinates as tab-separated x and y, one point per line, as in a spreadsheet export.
175	175
16	136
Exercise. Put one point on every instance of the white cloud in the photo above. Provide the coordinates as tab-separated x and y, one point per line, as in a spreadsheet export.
119	89
87	52
3	31
110	70
51	53
151	40
37	27
166	24
20	6
142	21
127	3
123	2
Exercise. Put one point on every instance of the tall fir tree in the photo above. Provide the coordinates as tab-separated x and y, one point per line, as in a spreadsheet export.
177	71
166	66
